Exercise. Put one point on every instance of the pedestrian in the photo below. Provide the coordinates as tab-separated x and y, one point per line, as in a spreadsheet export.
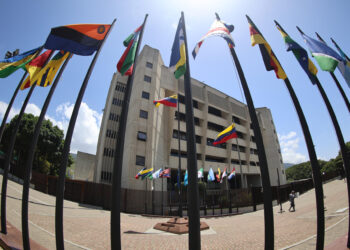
291	200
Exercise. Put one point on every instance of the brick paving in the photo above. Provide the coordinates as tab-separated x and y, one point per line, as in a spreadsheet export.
87	227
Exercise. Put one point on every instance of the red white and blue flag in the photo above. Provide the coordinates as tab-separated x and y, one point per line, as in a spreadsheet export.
232	174
165	173
170	101
218	28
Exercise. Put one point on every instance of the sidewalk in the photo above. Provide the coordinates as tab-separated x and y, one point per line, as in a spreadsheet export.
87	227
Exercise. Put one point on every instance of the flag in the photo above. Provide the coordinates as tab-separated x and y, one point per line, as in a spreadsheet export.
186	179
48	73
218	175
344	65
170	101
155	175
211	176
165	173
326	57
227	134
126	62
232	174
10	65
201	173
270	60
80	39
301	55
218	28
224	174
144	173
178	52
34	68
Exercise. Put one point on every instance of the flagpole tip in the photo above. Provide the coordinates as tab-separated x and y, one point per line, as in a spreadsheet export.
217	16
301	32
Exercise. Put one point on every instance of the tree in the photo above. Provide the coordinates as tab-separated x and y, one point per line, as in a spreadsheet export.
49	149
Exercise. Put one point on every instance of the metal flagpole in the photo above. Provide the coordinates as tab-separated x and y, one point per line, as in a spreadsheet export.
347	103
66	149
179	155
278	190
194	236
30	157
118	159
240	162
8	156
268	212
2	128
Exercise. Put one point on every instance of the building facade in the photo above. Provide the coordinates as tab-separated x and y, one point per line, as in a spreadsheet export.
152	133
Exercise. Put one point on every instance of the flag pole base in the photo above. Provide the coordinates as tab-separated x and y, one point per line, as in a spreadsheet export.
178	225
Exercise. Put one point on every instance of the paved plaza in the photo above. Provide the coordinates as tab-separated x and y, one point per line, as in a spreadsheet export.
87	227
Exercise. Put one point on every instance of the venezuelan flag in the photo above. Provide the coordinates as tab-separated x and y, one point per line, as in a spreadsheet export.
170	101
227	134
8	66
80	39
34	67
178	52
270	60
144	173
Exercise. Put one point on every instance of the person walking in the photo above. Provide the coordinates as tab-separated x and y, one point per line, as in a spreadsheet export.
291	200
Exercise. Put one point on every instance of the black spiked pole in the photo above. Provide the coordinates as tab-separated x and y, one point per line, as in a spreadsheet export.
347	103
336	45
118	159
265	178
2	128
316	174
194	236
66	149
340	137
9	152
30	158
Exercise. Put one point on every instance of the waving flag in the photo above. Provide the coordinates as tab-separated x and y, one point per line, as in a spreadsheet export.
126	62
300	54
155	175
170	101
144	173
178	52
201	173
344	66
211	176
224	174
326	57
218	28
34	68
186	178
232	174
165	173
218	175
80	39
10	65
270	60
227	134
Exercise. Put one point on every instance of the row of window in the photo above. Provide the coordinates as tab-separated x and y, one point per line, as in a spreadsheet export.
120	87
117	102
108	152
113	117
107	176
111	133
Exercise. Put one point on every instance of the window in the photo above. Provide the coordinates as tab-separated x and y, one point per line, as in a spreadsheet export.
140	160
120	87
117	102
143	114
214	111
149	65
145	95
240	135
141	136
181	99
215	127
107	176
252	163
108	152
111	133
147	78
214	159
241	149
183	118
236	120
234	147
113	117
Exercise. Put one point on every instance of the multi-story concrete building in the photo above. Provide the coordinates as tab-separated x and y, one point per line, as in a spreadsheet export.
151	136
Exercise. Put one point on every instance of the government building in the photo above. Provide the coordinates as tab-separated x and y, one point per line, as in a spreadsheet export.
151	138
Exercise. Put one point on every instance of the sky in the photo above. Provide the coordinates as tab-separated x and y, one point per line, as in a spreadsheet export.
25	25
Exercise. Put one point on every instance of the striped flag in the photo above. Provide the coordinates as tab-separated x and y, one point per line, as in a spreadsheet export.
218	28
227	134
224	174
178	52
10	65
170	101
232	174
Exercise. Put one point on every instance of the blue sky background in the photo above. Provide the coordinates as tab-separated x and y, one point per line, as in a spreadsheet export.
26	24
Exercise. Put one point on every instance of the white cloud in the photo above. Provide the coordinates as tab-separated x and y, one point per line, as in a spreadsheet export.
86	129
289	146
